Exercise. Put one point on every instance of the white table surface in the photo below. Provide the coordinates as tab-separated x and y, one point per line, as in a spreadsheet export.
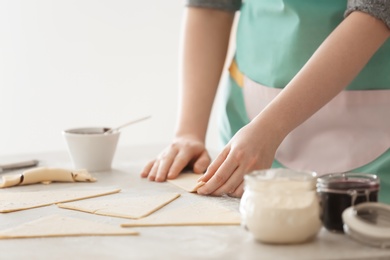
196	242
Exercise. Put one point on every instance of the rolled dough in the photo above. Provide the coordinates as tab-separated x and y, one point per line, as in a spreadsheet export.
46	175
188	181
192	213
15	201
129	207
61	226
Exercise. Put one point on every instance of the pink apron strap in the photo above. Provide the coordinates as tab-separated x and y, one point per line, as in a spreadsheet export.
350	131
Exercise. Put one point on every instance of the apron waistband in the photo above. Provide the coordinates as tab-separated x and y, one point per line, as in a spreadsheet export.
236	74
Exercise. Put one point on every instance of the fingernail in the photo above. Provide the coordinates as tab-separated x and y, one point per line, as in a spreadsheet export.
159	179
201	191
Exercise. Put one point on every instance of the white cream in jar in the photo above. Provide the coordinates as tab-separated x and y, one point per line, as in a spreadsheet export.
281	206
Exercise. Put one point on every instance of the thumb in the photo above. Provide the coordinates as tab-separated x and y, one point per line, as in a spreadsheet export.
201	164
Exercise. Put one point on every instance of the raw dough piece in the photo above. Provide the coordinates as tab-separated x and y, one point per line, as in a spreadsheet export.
198	213
46	175
188	181
15	201
130	207
60	226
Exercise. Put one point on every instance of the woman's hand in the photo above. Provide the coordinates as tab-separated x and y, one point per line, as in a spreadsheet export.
183	152
250	149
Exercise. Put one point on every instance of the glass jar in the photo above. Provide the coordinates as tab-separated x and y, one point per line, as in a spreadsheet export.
280	206
339	191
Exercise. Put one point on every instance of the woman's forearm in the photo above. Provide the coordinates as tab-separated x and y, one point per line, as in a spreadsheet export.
204	47
331	68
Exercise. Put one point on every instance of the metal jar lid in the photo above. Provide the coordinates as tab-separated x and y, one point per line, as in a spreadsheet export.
368	223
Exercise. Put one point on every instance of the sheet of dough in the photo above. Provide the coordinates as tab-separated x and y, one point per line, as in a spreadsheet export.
129	207
188	181
15	201
194	213
60	226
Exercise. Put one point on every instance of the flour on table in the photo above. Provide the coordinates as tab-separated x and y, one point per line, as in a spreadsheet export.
15	201
127	207
61	226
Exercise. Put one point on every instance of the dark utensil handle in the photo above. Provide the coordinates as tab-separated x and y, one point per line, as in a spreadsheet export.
18	165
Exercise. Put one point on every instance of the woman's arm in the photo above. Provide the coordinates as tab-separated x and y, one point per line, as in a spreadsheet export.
331	68
204	47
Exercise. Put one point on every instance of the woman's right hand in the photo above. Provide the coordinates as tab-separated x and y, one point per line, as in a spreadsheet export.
183	152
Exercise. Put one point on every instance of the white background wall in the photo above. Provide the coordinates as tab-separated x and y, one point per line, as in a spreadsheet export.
77	63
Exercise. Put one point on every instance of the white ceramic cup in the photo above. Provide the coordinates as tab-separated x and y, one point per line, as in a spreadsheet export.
89	148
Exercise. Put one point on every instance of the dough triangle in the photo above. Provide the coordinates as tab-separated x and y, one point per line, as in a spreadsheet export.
127	207
200	212
60	226
15	201
188	181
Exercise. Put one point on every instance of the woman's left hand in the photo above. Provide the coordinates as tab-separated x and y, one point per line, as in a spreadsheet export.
251	148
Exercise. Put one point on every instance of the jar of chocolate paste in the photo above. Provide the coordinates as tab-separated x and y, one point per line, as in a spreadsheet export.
339	191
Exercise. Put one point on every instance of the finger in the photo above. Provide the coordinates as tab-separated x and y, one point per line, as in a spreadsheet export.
214	166
147	168
153	171
219	178
239	191
165	165
231	184
181	161
201	164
